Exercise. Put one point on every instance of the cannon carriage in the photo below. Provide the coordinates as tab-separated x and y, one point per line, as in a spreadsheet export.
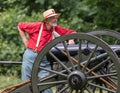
91	65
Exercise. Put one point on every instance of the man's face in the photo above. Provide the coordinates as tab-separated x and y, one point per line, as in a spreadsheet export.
52	21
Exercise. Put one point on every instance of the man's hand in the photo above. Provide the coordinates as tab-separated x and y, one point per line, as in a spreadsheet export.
71	42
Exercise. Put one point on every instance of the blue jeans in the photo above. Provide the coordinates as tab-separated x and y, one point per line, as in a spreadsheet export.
28	61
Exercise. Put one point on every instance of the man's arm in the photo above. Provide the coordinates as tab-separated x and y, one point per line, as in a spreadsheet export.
23	36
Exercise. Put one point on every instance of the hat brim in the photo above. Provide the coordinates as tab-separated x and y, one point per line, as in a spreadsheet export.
56	14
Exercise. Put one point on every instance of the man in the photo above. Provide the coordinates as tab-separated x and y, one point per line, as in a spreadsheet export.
39	34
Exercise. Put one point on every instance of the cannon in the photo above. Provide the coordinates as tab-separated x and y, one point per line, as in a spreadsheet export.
91	65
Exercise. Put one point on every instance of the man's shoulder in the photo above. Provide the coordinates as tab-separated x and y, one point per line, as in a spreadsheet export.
58	26
29	22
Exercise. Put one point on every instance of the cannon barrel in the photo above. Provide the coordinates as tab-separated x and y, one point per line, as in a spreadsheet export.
73	50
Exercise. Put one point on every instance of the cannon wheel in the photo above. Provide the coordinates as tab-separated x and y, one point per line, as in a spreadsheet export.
107	36
111	37
77	74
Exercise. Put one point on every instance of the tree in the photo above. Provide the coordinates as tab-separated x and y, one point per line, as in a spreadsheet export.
80	15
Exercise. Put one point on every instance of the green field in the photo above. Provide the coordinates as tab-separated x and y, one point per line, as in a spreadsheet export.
7	81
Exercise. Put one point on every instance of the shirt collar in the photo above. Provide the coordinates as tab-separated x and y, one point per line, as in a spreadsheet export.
45	29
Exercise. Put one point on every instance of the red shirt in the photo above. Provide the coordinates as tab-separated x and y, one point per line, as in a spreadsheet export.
32	28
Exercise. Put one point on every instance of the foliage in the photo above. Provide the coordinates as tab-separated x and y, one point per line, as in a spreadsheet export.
80	15
8	69
7	81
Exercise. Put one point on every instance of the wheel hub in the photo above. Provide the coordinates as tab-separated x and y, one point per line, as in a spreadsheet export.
77	80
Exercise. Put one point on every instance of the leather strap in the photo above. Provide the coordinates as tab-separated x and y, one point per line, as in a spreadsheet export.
39	36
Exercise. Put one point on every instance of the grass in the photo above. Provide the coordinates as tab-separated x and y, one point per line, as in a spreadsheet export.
7	81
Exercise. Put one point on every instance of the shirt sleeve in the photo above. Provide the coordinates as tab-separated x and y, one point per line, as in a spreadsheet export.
63	31
29	27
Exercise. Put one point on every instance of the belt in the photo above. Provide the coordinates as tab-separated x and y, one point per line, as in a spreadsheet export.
35	50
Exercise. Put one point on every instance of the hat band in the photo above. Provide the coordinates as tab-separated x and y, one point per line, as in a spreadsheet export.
49	15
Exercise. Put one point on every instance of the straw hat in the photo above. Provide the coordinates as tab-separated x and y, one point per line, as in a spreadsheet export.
50	13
